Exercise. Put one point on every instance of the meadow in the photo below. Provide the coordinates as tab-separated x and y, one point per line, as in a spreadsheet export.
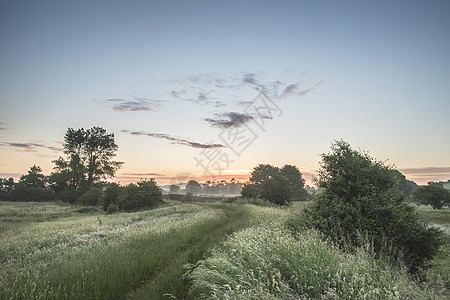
232	250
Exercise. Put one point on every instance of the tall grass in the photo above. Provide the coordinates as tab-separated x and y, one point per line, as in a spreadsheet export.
439	273
269	262
88	259
98	256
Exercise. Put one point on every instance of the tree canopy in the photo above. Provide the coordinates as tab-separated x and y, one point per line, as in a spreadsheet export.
433	194
89	157
277	185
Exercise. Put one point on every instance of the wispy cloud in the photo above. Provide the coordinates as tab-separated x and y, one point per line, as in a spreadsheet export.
291	89
178	94
29	147
142	174
205	99
220	91
229	120
137	104
295	89
151	29
429	170
174	140
3	126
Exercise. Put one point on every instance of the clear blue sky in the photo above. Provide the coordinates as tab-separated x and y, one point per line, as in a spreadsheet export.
374	73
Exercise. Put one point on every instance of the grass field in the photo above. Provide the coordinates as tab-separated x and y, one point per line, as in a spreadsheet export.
191	251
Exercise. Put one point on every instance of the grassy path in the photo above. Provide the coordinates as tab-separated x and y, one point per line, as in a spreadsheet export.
167	283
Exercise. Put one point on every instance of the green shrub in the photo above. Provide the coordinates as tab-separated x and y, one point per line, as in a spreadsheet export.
111	195
112	208
360	200
434	194
277	190
144	195
87	209
249	191
30	194
91	197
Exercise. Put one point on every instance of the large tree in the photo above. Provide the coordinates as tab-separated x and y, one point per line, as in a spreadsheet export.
34	178
262	172
193	187
360	199
89	157
296	182
433	194
404	185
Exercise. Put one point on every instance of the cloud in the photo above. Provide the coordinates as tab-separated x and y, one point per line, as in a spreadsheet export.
3	126
294	89
138	104
290	90
174	140
229	120
428	170
29	147
151	29
142	174
202	98
320	82
220	91
250	78
178	94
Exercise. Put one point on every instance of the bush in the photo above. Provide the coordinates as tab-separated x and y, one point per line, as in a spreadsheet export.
359	200
91	197
111	195
112	208
249	191
29	193
144	195
276	189
435	195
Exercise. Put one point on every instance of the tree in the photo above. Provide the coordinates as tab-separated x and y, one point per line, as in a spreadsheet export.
6	188
276	189
404	185
296	182
91	197
174	188
193	187
433	194
35	178
261	172
32	187
359	199
73	167
89	159
111	195
249	191
270	181
143	195
98	150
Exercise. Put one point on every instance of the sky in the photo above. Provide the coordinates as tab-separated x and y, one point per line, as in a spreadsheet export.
209	89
